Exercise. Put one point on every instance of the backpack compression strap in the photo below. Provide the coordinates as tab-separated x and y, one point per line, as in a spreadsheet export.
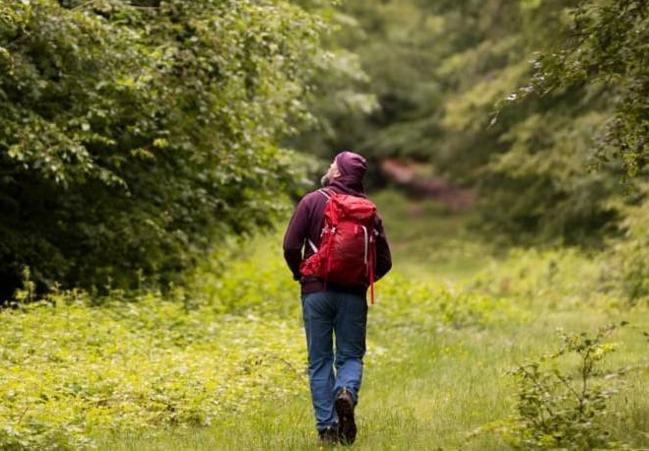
327	196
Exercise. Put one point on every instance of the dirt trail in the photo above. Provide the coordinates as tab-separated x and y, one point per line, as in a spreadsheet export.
417	183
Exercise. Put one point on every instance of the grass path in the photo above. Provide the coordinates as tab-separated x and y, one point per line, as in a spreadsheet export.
221	365
428	388
449	384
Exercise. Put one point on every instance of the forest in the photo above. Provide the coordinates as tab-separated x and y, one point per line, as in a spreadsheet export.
152	152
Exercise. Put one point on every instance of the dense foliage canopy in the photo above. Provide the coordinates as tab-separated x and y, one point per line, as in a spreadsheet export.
136	133
516	99
607	47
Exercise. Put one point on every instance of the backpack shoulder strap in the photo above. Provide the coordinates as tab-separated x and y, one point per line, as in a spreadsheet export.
326	193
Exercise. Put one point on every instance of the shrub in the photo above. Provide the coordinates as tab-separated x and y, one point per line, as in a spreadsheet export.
76	365
70	369
560	408
135	135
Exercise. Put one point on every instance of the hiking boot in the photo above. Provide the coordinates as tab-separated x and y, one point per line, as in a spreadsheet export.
346	424
328	436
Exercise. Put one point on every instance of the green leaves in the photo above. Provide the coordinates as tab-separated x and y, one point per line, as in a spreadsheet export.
608	47
511	98
72	370
132	132
76	366
559	408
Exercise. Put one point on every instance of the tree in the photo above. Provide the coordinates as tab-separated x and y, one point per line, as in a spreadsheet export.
607	48
135	134
442	73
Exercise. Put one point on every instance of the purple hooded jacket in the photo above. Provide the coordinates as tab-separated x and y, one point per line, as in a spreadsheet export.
308	220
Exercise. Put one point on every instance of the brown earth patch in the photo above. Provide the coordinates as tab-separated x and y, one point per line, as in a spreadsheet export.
413	179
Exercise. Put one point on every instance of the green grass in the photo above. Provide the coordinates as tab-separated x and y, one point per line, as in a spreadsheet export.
449	324
448	385
428	242
433	385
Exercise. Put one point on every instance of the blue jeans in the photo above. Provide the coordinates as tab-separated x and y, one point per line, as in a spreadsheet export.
344	314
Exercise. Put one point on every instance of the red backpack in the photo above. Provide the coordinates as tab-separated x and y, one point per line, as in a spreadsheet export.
347	254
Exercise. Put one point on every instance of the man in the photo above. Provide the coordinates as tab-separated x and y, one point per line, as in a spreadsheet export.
329	309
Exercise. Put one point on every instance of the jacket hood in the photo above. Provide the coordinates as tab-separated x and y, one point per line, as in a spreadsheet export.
351	164
348	185
352	167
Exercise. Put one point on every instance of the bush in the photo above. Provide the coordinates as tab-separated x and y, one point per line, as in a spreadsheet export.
137	134
557	278
429	306
70	369
560	408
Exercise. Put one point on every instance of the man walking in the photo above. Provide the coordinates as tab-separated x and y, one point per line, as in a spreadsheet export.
334	309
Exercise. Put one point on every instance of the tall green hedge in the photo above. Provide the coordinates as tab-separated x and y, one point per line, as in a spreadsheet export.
134	134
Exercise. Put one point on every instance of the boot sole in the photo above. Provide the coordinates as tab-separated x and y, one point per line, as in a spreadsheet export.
346	422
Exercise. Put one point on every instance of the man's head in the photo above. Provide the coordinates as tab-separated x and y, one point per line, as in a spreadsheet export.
347	164
332	173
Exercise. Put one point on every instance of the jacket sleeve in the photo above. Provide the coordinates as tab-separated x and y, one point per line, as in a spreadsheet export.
294	238
383	256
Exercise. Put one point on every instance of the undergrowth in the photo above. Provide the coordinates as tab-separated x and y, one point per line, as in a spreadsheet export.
76	367
69	368
563	398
